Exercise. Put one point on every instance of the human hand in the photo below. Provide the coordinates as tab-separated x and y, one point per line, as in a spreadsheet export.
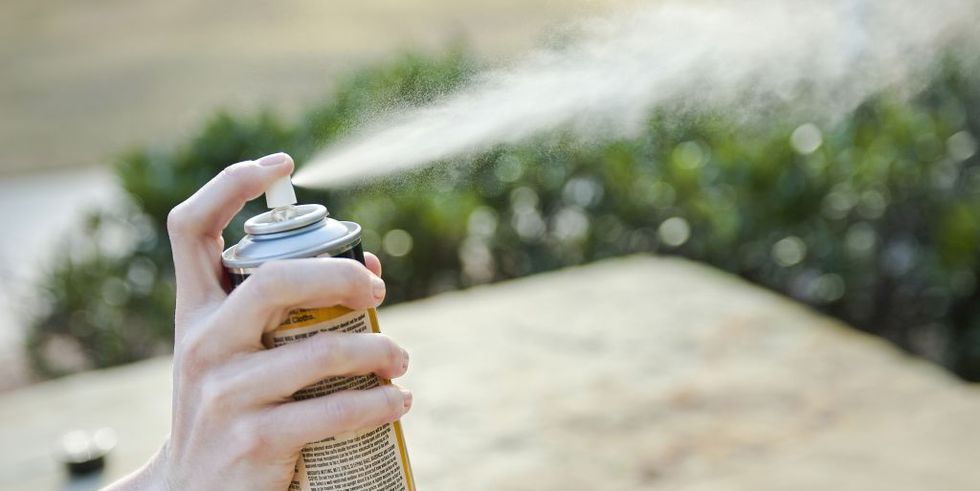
234	424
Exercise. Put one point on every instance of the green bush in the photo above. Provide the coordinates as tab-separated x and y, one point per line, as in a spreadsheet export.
874	219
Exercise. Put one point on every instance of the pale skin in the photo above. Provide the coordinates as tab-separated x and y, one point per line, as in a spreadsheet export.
234	423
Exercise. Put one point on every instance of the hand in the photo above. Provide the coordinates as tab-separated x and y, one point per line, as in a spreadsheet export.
234	423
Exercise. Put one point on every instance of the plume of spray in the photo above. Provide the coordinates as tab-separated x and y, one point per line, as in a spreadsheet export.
819	57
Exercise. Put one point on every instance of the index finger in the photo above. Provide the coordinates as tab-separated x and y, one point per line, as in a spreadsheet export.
259	304
195	225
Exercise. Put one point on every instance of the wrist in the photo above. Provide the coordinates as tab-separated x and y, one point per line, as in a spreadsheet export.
151	477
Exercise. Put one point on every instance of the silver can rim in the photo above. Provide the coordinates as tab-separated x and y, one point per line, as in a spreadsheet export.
263	224
323	249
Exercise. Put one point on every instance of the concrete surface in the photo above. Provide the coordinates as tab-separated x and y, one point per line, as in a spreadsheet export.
636	373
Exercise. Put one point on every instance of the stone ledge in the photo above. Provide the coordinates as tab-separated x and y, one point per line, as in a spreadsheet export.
634	373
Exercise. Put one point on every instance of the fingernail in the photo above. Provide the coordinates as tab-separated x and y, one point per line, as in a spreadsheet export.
404	360
407	397
273	160
377	288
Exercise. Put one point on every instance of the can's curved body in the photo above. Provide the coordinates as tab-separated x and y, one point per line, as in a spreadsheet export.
372	460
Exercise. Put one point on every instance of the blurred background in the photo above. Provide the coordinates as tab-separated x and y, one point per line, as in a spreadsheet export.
88	86
113	112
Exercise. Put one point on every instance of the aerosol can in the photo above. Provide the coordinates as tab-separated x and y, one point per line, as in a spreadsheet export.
372	460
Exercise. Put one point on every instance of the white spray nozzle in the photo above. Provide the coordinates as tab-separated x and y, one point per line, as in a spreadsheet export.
280	193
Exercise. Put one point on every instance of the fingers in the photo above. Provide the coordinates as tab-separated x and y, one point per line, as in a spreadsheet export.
310	420
279	286
277	373
195	225
373	263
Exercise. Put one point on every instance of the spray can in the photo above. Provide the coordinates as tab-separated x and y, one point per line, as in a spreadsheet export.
369	460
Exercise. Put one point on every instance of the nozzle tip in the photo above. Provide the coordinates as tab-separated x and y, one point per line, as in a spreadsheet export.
280	193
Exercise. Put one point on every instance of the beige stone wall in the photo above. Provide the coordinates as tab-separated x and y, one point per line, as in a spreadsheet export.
82	81
636	373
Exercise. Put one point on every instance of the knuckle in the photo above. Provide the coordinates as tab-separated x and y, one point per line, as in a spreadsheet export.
252	439
327	349
270	280
179	219
350	270
393	352
217	394
394	399
191	356
241	176
182	217
235	172
188	368
393	404
355	280
340	410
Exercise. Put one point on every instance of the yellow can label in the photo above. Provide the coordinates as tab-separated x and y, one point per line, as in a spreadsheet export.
371	460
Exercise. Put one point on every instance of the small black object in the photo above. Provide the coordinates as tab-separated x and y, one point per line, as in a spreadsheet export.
85	452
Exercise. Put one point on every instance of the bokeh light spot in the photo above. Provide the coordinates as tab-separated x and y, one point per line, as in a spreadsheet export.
860	239
690	155
828	288
674	231
571	224
961	146
508	169
806	139
397	242
789	251
482	222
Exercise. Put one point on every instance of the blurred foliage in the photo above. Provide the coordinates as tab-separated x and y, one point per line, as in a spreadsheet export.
874	218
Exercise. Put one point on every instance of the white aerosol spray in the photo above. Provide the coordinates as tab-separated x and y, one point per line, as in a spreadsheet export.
820	58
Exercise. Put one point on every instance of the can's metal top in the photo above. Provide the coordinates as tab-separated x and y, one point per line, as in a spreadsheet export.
298	216
307	233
